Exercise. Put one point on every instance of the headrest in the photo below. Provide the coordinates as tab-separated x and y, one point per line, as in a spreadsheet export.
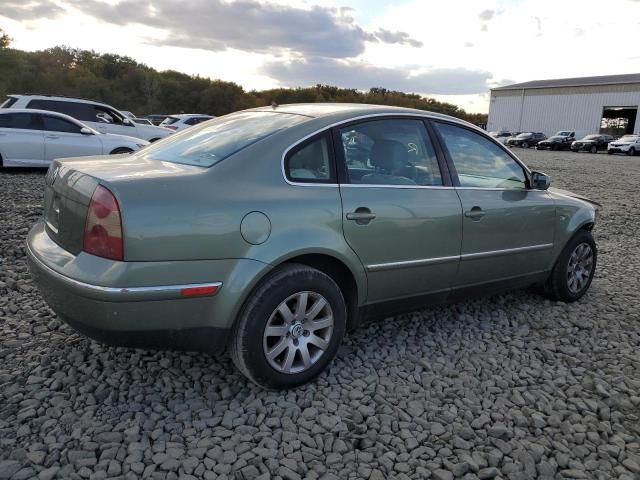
388	154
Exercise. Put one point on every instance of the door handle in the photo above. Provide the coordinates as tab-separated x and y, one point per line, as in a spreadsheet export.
361	216
476	213
53	136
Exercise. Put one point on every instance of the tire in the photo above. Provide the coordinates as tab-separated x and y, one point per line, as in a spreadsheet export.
249	344
524	145
593	149
120	150
609	152
153	140
563	284
631	152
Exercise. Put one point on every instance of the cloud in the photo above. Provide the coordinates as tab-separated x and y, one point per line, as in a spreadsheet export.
21	10
486	15
247	25
362	76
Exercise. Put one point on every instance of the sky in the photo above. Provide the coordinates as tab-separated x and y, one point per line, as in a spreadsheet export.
453	50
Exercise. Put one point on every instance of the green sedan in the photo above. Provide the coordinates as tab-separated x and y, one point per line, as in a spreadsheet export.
270	232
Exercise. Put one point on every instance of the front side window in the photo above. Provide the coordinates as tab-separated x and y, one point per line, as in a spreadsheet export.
21	121
211	142
310	162
390	152
55	124
480	162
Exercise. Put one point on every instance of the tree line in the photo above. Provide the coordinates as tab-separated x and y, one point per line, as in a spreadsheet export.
128	85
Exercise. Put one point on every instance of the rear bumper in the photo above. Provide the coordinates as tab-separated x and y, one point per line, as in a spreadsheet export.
139	304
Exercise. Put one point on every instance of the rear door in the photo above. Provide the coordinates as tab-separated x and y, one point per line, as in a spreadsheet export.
400	214
63	139
21	139
508	228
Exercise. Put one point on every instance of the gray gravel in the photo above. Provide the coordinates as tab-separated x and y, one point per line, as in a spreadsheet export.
510	387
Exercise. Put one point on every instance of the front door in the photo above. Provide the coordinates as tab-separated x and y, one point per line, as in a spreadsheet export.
400	215
63	139
508	228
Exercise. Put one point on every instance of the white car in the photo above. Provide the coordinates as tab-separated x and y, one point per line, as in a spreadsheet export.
98	116
501	135
33	138
629	144
184	120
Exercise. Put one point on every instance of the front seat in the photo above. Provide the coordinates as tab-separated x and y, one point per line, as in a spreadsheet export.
390	158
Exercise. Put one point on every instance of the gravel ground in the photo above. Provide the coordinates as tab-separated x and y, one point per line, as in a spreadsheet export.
510	387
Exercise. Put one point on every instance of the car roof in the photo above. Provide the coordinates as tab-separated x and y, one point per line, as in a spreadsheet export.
61	98
345	111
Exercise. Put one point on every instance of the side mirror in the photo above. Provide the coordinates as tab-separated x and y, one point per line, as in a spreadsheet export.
86	131
540	181
127	121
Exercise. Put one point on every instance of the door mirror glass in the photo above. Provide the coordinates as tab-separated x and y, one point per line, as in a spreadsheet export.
127	121
86	131
540	181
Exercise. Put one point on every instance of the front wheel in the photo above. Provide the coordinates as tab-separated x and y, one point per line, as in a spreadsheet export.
609	152
631	152
290	328
573	272
525	145
593	149
121	150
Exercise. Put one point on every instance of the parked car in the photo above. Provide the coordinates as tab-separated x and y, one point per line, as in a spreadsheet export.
100	117
142	121
184	120
592	143
155	118
162	250
128	114
501	136
525	139
556	142
565	133
629	144
34	138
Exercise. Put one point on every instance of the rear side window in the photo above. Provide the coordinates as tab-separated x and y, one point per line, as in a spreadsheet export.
207	144
310	162
22	121
169	120
55	124
80	111
8	102
390	152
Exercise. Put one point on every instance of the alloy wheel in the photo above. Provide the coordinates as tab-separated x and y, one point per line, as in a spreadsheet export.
298	332
579	268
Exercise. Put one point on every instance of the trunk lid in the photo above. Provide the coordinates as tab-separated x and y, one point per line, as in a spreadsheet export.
70	184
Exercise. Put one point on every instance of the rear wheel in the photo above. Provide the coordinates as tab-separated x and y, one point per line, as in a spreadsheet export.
120	150
290	328
573	272
593	149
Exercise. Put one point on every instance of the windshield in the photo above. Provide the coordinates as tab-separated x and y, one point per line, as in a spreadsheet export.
524	135
629	138
591	137
209	143
557	138
562	133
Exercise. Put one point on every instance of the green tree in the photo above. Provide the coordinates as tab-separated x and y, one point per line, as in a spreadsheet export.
5	39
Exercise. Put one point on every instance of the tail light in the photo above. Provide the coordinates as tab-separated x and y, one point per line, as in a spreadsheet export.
103	228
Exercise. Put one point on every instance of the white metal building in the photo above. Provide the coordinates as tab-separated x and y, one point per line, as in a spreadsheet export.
606	104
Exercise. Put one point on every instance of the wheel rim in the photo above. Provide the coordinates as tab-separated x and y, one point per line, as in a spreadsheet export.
594	149
579	268
298	332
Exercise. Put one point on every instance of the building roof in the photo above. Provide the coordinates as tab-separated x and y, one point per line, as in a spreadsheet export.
574	82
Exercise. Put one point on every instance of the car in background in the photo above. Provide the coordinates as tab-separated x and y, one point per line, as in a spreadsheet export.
629	144
592	143
142	121
526	139
193	243
557	142
34	138
155	118
501	136
99	116
184	120
565	133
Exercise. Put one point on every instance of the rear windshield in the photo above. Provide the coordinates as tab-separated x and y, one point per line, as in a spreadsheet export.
169	120
208	143
8	102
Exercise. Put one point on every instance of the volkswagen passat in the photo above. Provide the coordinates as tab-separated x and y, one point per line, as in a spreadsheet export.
272	231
